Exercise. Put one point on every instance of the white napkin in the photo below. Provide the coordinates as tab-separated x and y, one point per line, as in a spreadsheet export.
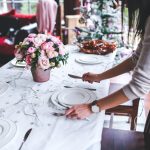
67	134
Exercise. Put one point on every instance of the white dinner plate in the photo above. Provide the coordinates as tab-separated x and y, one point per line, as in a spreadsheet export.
54	101
3	87
18	64
71	100
7	131
88	59
73	96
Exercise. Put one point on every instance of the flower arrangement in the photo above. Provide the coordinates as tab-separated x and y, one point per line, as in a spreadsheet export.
41	50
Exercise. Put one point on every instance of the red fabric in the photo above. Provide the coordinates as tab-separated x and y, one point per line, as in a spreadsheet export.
25	19
6	49
10	13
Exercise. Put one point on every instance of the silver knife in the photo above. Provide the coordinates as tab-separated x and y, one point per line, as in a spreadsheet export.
74	76
77	77
25	138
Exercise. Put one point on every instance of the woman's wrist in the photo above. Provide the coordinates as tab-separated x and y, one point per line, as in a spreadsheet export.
99	77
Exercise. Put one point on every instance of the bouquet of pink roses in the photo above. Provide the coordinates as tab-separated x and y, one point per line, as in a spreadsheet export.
41	50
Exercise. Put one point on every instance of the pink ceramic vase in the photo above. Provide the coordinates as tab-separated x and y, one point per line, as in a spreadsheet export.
40	75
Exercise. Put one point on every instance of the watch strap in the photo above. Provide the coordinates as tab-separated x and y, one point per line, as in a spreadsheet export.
94	103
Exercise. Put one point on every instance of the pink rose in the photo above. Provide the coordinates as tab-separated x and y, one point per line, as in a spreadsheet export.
28	59
44	46
50	44
44	62
38	42
32	35
31	50
30	40
56	40
61	52
43	53
47	46
52	54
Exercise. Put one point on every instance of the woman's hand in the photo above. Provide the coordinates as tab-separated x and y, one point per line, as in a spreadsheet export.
90	77
79	111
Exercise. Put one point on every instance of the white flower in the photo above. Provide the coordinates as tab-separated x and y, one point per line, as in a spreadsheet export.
44	62
38	42
25	41
50	54
33	55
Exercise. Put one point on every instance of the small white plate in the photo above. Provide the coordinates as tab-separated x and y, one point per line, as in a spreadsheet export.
88	59
7	131
3	87
18	64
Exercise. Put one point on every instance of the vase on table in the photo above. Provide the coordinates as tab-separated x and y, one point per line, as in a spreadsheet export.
40	75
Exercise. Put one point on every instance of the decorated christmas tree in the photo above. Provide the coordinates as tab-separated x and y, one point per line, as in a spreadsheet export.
102	19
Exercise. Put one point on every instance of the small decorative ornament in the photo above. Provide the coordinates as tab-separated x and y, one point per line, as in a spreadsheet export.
41	52
82	20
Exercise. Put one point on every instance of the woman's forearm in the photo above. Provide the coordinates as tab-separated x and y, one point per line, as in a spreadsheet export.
112	100
117	97
123	67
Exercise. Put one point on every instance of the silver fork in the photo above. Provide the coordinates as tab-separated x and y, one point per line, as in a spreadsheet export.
62	114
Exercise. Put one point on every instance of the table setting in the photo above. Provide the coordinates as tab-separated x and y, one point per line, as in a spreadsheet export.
33	112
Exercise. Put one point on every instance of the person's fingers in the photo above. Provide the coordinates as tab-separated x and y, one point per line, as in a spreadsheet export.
74	110
69	111
87	77
73	116
90	82
84	77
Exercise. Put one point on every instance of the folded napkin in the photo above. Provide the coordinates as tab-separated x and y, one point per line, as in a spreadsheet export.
66	134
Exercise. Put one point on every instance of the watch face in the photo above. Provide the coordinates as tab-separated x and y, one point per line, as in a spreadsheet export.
95	109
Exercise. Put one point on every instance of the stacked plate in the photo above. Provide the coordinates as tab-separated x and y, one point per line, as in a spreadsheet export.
66	98
88	59
7	131
16	63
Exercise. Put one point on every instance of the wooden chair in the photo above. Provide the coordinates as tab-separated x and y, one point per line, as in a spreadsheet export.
147	133
113	139
127	109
